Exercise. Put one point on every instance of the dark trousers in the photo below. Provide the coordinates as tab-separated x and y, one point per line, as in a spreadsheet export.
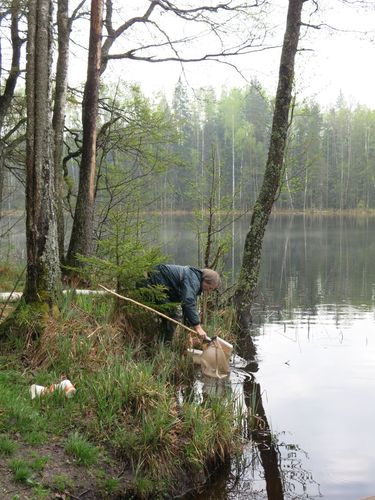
168	327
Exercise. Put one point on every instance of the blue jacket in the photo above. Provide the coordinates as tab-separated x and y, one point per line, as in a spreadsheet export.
183	284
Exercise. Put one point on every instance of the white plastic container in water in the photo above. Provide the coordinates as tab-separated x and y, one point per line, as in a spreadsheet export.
214	359
224	345
66	386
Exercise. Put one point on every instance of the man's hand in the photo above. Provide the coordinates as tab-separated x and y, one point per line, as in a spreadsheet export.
203	335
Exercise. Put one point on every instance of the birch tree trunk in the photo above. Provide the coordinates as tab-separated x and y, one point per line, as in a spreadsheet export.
82	231
43	281
248	277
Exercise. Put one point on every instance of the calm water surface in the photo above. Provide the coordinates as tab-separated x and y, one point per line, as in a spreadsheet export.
316	351
315	340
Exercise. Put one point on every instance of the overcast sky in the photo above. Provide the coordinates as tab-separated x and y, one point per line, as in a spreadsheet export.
333	59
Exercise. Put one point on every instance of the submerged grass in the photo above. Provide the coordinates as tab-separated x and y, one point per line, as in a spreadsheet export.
127	408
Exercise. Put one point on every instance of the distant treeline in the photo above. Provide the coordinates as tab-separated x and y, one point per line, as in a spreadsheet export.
202	149
330	160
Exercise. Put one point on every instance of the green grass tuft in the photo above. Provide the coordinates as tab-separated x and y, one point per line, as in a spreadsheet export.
7	446
21	470
35	438
144	486
38	463
41	493
62	482
82	450
111	486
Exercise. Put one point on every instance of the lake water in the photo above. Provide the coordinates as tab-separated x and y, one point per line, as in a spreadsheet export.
315	338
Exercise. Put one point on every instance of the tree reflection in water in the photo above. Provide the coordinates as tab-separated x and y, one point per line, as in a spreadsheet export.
259	432
269	468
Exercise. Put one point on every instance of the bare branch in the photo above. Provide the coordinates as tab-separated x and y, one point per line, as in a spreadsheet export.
209	15
75	15
333	28
206	57
108	18
14	72
14	129
192	14
114	34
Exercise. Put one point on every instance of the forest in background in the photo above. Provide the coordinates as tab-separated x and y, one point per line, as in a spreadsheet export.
130	154
156	155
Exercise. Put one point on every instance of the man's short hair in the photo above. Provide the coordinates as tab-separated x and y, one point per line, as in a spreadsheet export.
211	277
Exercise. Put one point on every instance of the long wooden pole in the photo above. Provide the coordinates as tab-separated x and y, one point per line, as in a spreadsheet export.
149	309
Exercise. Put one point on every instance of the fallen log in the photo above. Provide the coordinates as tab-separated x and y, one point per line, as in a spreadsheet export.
14	296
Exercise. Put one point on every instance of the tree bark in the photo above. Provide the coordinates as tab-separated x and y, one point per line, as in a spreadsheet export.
249	272
58	120
43	270
82	231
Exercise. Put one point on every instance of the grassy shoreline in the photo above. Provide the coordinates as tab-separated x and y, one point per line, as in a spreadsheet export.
133	429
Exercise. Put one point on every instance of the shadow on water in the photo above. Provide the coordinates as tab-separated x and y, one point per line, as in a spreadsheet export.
269	468
260	434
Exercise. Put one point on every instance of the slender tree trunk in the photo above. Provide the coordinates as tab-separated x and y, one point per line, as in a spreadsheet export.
327	164
82	231
248	277
14	72
348	203
202	169
289	191
367	188
58	120
10	84
2	176
342	175
43	269
305	190
233	193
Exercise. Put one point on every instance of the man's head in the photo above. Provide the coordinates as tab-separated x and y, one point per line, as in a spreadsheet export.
210	280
